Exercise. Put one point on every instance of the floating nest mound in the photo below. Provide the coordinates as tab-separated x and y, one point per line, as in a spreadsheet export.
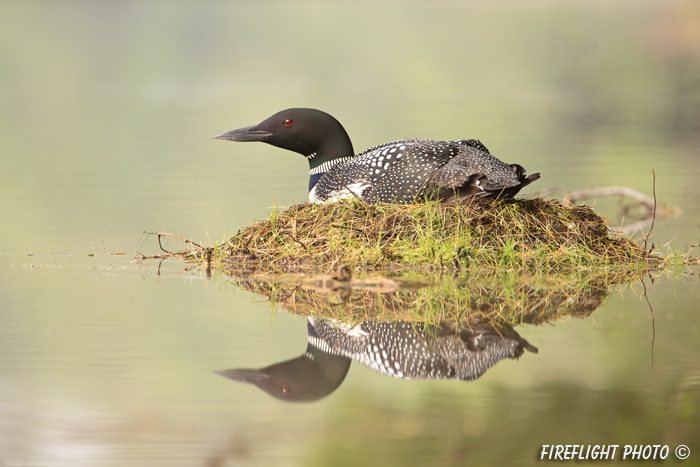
531	233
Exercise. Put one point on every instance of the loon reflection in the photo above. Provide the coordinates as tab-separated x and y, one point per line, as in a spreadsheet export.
400	349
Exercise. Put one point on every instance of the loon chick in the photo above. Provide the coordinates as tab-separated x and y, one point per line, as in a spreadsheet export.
396	172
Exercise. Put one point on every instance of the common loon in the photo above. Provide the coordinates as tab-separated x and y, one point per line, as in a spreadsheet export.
401	171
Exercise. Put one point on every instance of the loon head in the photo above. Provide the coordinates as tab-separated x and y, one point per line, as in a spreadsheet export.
309	132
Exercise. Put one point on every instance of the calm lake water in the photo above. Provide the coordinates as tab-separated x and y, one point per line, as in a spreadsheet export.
106	110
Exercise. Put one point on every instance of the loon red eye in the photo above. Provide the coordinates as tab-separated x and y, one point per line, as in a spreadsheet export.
288	122
285	388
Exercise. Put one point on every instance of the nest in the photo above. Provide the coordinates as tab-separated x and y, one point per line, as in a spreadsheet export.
531	233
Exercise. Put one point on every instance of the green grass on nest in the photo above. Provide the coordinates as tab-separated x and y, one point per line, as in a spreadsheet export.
528	233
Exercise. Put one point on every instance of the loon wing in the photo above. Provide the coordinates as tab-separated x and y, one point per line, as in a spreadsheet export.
476	144
477	173
405	176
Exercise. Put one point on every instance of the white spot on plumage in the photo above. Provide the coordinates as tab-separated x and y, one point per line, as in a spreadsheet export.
357	331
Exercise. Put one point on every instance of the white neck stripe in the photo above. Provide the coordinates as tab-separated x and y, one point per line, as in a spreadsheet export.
324	167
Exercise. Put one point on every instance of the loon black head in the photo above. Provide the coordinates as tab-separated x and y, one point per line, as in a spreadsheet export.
310	132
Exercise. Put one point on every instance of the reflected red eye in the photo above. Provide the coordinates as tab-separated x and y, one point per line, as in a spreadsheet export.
285	388
288	122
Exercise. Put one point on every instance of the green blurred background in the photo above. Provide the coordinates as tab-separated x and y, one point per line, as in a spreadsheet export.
107	107
106	110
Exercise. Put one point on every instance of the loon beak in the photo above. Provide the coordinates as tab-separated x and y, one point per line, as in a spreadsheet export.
249	133
244	375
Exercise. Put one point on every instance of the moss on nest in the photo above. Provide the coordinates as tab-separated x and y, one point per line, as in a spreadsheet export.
530	233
